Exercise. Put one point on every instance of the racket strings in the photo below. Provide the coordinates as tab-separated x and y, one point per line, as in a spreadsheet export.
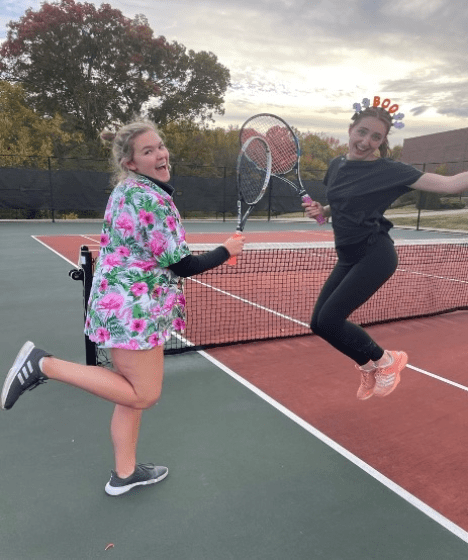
252	175
280	139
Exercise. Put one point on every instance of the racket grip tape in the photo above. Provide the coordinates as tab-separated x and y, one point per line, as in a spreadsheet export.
232	261
320	219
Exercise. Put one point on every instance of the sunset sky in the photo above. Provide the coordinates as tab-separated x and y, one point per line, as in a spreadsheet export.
309	60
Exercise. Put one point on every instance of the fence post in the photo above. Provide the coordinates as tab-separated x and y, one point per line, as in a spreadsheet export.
52	204
224	194
419	204
270	195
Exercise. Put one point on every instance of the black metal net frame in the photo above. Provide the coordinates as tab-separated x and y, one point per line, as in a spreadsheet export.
271	292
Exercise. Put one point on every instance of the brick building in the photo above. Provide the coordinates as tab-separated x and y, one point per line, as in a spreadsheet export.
433	150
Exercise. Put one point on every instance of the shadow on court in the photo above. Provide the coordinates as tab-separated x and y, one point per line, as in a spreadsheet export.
245	482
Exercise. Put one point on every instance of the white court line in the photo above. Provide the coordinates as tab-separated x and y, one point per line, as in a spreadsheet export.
91	239
401	492
443	379
253	304
54	251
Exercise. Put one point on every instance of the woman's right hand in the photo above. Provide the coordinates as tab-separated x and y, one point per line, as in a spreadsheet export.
235	244
313	209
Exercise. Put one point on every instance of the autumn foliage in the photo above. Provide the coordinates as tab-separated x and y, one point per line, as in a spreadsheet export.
100	67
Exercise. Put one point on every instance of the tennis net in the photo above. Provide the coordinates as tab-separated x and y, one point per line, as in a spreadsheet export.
271	291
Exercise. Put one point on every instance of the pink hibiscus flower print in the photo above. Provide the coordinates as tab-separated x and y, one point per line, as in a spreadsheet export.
121	202
178	324
158	243
123	251
126	224
101	335
111	303
181	299
103	285
170	302
146	218
157	292
171	223
155	313
131	345
112	260
147	266
138	325
155	339
105	239
139	288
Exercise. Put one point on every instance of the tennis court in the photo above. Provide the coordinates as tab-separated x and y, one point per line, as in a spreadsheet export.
269	452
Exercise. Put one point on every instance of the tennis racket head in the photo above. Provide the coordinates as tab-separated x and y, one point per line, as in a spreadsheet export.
253	169
280	137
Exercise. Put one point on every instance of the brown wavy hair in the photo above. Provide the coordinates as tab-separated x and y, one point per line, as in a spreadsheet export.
383	116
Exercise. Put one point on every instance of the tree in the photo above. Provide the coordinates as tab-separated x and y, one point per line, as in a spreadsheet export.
102	68
197	82
317	152
396	152
212	151
24	133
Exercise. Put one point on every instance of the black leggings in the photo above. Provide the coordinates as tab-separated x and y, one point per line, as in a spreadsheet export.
360	271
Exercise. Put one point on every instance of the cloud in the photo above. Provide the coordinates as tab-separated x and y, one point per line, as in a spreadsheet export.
310	60
418	110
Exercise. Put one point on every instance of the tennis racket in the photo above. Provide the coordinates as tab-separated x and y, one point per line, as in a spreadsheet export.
253	176
284	146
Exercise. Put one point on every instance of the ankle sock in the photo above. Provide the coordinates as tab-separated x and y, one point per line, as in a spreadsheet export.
368	367
385	360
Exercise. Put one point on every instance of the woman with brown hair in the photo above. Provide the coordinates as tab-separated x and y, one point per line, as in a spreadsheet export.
360	187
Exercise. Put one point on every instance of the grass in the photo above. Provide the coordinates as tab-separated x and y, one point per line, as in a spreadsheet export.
432	220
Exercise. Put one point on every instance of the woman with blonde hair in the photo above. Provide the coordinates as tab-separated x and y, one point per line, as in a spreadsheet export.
136	299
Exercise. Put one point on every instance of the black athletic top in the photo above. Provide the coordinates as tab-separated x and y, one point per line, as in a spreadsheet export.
359	192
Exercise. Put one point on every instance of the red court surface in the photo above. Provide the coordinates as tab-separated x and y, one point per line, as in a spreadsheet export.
417	437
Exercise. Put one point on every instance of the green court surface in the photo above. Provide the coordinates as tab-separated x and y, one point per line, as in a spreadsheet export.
246	481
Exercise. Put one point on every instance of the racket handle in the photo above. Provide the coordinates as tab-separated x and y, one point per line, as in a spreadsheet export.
232	261
320	219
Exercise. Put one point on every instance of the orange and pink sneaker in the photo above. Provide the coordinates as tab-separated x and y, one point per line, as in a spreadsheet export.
388	377
366	388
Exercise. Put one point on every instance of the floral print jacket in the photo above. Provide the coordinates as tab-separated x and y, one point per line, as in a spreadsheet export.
136	301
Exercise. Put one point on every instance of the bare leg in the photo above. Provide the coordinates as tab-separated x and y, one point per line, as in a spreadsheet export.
135	383
125	424
125	428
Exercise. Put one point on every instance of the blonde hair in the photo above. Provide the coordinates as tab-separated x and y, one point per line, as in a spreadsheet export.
383	116
122	143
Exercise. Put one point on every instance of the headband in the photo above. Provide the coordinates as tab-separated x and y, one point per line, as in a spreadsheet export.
386	105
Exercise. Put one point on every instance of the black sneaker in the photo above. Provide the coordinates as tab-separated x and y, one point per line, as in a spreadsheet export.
143	474
25	374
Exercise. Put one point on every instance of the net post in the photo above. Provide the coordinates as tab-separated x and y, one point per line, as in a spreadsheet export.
86	262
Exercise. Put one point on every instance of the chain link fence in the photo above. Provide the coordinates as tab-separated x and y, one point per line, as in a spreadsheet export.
58	188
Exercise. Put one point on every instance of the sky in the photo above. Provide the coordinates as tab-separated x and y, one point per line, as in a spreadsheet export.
309	61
